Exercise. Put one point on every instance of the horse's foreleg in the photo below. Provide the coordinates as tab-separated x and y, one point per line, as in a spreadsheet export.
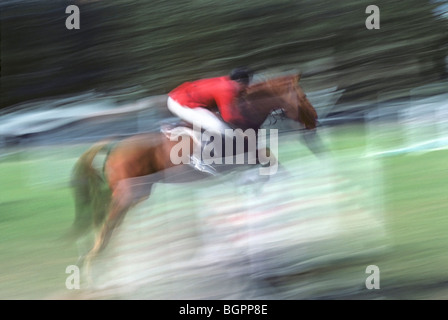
269	162
313	141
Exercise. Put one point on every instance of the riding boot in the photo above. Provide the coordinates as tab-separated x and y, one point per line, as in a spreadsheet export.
198	163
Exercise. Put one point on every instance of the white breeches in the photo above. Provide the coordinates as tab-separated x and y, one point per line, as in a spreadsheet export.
200	117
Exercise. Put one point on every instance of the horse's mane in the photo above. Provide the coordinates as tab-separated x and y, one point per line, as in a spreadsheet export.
269	86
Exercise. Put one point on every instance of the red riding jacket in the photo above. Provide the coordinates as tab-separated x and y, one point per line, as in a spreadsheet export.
220	92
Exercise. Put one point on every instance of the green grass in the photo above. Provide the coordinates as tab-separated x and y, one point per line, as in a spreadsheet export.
415	199
33	216
416	193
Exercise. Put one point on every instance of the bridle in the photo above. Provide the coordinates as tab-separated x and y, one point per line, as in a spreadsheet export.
292	99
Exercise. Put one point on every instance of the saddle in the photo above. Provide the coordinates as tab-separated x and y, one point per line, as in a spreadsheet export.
167	126
176	128
180	127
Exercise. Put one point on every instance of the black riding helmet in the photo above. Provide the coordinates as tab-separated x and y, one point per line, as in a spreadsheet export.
241	74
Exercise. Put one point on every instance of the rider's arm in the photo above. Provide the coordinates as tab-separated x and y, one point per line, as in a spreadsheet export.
228	107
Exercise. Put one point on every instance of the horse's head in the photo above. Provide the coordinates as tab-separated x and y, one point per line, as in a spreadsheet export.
296	105
285	93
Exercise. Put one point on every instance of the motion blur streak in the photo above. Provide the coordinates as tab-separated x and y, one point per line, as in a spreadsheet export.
376	196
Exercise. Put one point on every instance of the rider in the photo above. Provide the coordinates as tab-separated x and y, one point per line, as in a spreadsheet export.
192	101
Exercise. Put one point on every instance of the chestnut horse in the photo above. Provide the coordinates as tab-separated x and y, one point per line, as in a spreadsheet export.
103	198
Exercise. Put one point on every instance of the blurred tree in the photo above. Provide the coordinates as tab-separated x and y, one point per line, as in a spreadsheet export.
157	45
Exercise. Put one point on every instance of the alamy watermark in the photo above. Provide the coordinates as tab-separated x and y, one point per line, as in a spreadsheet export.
373	20
250	140
373	281
73	280
73	20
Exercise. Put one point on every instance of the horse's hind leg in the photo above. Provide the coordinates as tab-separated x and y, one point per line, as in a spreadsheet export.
122	200
103	237
101	241
127	193
84	246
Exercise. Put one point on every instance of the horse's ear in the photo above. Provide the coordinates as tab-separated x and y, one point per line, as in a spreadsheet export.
298	76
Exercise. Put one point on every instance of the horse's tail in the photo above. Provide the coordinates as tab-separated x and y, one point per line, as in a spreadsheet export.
91	193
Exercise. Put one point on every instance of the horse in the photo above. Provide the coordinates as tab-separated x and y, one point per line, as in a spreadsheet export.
102	197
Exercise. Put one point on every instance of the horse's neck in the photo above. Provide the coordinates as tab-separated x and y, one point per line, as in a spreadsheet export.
265	97
275	92
256	111
267	101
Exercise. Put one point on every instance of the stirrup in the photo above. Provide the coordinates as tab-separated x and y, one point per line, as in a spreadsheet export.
199	165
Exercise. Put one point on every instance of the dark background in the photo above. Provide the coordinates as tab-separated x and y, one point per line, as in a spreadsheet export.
149	47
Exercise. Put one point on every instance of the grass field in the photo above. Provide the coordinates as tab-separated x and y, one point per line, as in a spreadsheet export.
36	207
